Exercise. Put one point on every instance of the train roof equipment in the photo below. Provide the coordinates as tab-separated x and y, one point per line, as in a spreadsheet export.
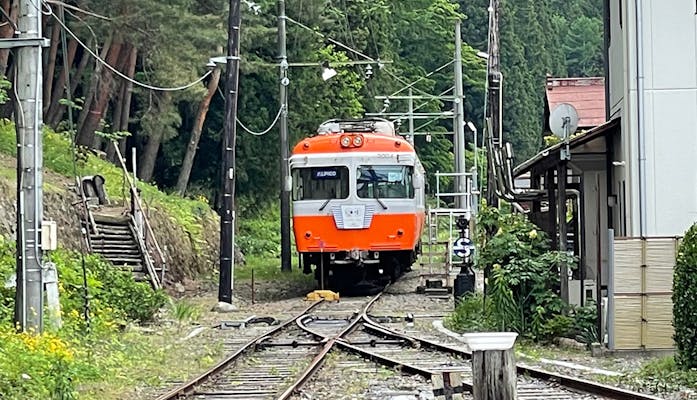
368	125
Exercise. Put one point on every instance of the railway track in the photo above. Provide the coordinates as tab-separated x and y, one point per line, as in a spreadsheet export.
278	363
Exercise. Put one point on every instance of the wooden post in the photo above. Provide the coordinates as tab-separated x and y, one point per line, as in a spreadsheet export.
493	365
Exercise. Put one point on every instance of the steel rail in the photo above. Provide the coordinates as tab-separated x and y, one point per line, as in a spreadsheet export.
318	361
566	381
188	387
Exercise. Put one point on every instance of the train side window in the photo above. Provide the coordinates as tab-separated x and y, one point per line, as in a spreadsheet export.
320	183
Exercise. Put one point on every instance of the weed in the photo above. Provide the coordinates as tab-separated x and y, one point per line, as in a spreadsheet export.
183	311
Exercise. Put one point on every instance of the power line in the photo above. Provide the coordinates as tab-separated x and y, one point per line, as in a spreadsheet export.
262	133
126	77
397	78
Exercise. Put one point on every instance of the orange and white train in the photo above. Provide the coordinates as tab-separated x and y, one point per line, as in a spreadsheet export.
358	203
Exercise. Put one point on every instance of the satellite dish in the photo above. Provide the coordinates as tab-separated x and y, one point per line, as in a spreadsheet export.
563	120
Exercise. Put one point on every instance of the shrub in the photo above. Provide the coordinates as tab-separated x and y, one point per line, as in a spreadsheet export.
36	366
111	291
471	314
522	273
684	304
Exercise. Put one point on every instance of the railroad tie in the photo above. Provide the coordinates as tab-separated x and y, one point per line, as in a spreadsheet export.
448	385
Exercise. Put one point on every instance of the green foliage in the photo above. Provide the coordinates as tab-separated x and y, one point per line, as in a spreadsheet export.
50	365
583	47
471	314
182	310
5	85
258	230
663	375
36	366
523	274
685	300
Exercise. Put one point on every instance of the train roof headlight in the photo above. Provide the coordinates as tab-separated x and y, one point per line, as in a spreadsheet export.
358	141
345	141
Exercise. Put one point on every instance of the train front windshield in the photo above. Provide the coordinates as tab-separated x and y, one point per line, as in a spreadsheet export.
320	183
385	182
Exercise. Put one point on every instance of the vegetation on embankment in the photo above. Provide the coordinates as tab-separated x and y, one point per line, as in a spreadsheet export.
186	228
53	364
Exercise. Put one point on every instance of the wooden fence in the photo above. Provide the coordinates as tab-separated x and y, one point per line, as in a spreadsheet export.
639	290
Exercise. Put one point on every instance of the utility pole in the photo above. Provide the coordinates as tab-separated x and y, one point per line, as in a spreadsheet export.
410	138
494	99
227	213
28	109
459	123
285	173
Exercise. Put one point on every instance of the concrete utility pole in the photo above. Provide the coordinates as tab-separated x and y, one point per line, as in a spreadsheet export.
285	173
459	123
227	213
494	100
28	108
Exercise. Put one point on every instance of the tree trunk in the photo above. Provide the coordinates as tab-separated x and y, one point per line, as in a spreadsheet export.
95	111
59	89
146	164
127	95
7	31
188	162
94	83
51	67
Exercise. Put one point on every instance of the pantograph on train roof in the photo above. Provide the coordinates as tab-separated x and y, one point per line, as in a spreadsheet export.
368	125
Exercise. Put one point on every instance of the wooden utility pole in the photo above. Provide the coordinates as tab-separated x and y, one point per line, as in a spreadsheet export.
28	111
494	100
227	213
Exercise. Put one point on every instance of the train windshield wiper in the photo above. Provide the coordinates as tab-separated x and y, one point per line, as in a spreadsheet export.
325	204
384	207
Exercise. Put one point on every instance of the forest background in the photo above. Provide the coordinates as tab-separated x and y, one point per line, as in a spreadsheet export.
168	43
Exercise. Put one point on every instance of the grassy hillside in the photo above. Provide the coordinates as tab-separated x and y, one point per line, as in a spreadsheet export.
187	227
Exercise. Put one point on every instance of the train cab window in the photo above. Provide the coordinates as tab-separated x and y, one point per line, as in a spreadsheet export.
385	182
320	183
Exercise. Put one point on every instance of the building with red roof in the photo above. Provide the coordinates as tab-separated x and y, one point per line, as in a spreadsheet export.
587	95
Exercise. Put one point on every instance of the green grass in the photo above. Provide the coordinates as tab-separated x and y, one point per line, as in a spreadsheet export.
269	269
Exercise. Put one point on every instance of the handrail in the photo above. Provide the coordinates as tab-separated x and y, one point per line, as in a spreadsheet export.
146	257
85	204
137	205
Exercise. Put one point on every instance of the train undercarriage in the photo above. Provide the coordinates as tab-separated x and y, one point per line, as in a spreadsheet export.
357	272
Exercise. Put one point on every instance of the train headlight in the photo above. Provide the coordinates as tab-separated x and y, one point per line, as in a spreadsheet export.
358	141
345	141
